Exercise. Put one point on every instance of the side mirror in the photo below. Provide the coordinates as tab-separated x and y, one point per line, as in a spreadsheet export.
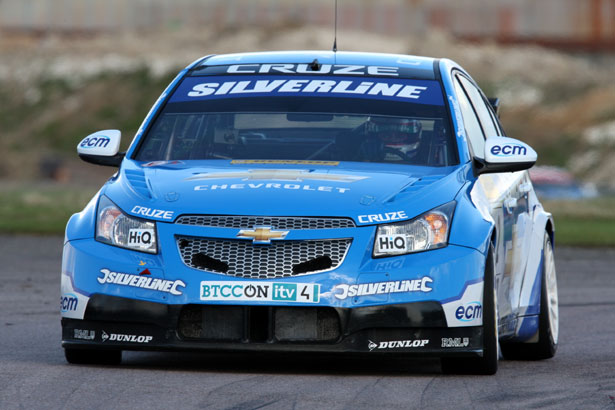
102	148
505	155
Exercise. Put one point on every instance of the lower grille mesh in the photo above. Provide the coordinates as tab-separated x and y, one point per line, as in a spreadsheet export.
259	324
278	260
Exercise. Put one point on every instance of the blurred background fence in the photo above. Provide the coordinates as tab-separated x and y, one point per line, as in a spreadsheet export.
573	24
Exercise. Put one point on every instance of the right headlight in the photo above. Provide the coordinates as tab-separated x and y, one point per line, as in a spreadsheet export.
427	231
114	227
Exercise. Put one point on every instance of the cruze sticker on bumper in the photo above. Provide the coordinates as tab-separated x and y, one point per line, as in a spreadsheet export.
385	217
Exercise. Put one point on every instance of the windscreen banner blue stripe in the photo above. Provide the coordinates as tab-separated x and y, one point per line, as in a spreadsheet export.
403	90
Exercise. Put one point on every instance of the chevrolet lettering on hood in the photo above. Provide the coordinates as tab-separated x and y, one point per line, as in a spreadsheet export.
275	175
313	201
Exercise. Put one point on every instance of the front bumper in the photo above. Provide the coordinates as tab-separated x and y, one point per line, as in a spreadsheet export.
405	304
411	329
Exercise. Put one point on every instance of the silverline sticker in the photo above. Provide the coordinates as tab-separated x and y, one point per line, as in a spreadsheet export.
379	288
139	281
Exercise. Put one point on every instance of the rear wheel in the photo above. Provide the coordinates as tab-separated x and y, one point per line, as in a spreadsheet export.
92	356
488	363
548	320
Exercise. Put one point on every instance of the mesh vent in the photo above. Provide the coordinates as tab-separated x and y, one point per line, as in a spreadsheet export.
259	324
277	222
279	260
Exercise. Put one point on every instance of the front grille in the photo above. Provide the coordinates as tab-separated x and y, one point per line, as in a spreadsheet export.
259	324
276	222
281	259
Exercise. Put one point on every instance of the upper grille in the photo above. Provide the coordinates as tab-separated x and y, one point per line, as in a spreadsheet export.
279	260
276	222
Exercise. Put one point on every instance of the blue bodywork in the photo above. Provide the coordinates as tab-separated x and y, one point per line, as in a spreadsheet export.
174	189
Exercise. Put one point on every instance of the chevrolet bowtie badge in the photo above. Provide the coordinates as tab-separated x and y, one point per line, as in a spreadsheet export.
261	234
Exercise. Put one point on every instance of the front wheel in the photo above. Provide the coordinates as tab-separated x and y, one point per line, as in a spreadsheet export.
488	363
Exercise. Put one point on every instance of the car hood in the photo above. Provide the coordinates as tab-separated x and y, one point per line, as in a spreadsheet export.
165	190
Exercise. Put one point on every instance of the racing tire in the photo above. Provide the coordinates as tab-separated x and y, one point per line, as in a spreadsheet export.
488	363
548	321
91	356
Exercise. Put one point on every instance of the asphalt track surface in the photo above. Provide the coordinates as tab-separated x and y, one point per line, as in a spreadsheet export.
34	374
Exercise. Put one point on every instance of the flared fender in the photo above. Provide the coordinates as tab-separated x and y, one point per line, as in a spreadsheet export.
529	301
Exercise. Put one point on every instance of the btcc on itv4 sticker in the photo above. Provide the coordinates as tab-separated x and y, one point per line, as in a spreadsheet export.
260	291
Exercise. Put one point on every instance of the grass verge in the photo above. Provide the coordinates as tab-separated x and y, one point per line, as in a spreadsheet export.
589	222
40	209
45	209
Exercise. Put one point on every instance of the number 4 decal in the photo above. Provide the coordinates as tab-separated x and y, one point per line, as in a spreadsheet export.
305	292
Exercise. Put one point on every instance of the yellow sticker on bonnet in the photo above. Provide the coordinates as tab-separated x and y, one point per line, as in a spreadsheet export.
283	161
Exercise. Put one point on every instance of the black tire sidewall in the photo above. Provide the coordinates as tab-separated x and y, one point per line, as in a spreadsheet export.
490	320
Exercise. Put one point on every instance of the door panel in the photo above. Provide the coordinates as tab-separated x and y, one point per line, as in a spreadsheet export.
508	196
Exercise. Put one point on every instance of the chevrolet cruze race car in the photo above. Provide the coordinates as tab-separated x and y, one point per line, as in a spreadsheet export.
314	202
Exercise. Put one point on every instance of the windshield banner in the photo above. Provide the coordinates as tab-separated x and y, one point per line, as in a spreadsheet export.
403	90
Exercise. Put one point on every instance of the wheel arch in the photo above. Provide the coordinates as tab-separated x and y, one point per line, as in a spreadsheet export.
473	225
82	224
494	237
550	227
529	300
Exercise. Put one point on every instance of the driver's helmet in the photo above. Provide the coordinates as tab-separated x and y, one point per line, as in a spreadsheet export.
395	132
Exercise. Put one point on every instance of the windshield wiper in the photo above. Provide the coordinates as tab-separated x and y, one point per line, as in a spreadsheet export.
320	150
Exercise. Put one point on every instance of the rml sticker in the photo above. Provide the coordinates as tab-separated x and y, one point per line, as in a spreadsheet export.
207	88
260	292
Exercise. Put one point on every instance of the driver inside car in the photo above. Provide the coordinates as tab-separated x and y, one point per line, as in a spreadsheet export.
402	134
381	136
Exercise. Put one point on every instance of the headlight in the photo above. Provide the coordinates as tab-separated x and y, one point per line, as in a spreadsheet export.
116	228
428	231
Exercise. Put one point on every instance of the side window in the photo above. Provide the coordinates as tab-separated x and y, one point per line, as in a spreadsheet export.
473	128
490	129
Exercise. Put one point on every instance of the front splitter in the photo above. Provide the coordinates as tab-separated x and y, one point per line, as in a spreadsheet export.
422	342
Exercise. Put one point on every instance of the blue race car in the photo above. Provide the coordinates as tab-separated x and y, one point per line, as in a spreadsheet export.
314	202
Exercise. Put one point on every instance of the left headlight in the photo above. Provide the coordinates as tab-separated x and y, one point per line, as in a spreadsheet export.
427	231
114	227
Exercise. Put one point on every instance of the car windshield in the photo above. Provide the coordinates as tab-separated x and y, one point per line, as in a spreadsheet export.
201	122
